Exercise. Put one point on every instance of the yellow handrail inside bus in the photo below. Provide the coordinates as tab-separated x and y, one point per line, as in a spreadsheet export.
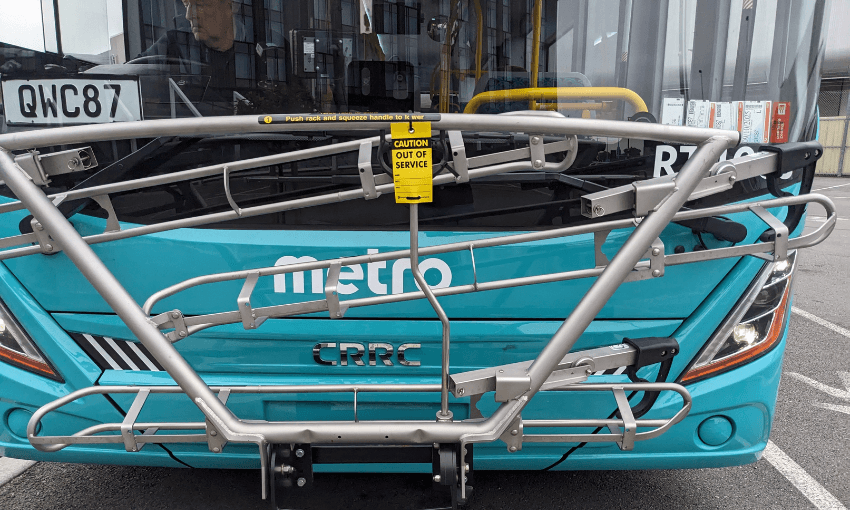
556	94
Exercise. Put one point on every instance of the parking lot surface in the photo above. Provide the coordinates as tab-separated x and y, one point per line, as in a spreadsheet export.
806	466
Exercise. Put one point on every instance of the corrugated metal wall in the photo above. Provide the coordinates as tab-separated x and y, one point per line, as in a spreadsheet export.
834	138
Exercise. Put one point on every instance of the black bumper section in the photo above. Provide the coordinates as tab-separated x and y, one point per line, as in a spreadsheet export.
292	465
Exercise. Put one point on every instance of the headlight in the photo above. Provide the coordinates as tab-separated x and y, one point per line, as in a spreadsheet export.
17	349
752	328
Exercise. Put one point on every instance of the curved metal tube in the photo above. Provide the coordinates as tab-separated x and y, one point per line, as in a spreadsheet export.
234	429
260	210
448	121
470	431
624	261
205	171
807	240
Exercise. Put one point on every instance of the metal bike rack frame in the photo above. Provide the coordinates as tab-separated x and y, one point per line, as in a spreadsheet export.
655	203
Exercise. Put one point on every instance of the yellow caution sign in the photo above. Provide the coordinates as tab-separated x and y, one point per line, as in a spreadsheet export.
412	161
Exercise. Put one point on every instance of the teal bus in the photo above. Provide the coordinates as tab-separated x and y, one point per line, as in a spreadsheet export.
399	235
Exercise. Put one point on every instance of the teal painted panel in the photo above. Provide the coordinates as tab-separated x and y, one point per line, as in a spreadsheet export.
148	264
285	346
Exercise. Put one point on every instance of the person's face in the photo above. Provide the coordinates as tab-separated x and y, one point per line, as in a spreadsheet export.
212	22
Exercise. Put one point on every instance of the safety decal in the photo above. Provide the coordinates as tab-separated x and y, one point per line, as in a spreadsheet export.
412	160
348	117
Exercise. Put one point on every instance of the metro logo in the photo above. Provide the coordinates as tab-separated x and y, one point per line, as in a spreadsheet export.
354	273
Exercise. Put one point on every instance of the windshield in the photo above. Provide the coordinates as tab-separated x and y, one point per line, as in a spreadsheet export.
221	57
749	66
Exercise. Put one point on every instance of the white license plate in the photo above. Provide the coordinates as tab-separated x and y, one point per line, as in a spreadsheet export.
68	101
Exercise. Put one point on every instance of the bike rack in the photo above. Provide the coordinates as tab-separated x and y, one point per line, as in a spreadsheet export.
653	203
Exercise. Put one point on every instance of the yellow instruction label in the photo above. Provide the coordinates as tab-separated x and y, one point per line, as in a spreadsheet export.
412	161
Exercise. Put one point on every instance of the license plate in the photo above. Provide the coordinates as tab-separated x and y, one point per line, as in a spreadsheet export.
69	101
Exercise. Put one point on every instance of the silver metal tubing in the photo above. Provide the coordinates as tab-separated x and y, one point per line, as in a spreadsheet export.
381	257
349	432
623	263
45	444
247	164
259	210
448	121
526	424
687	403
515	393
207	171
444	414
482	433
93	269
712	143
199	322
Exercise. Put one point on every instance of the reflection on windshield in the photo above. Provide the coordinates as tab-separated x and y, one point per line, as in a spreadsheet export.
212	22
752	67
679	60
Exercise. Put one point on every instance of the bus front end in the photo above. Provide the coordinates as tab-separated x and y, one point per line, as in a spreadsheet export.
398	236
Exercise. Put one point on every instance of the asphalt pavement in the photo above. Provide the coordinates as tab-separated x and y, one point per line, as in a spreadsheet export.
808	465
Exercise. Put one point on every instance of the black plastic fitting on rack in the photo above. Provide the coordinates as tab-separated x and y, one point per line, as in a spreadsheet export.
792	156
722	229
650	351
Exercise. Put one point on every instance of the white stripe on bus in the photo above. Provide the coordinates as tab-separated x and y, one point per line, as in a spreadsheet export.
142	357
121	353
102	352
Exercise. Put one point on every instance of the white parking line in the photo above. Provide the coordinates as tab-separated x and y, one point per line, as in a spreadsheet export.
823	322
814	492
830	187
10	468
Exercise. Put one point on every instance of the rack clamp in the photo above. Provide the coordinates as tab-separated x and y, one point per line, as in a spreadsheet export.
41	167
459	165
173	319
291	465
511	381
368	180
790	157
649	351
641	197
652	350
